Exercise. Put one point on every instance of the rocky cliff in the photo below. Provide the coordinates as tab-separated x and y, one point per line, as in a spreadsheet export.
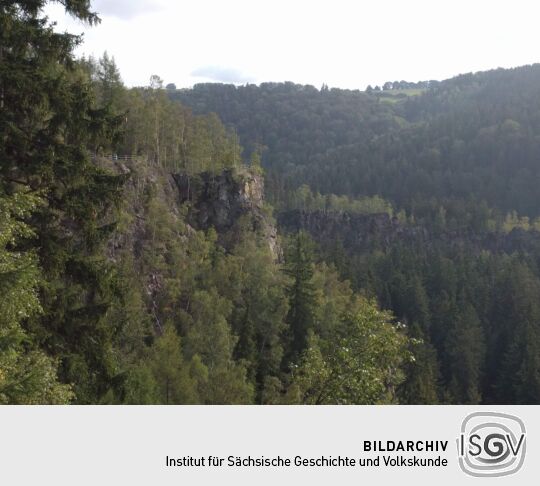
161	211
227	201
363	232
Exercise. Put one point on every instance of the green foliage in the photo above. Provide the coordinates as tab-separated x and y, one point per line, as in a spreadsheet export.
306	200
301	315
513	353
163	131
257	290
174	384
456	164
117	289
466	354
48	121
359	364
421	385
27	375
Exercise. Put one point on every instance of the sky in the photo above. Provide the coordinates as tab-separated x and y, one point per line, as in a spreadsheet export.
346	44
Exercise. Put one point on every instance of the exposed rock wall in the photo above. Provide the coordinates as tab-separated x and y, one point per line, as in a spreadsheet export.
363	232
226	200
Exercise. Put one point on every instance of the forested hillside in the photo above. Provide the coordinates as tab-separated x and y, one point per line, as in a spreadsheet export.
427	200
272	244
139	261
472	139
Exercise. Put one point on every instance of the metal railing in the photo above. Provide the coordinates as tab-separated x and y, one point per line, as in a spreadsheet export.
115	157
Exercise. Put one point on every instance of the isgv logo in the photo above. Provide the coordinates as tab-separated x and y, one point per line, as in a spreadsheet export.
491	444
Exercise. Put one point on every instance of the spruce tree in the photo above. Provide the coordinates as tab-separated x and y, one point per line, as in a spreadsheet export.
27	375
301	315
47	124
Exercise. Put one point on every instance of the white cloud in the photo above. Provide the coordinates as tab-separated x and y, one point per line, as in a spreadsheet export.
222	74
126	9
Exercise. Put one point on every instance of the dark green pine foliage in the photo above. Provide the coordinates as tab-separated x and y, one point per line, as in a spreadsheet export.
514	354
465	352
300	318
421	386
27	375
48	121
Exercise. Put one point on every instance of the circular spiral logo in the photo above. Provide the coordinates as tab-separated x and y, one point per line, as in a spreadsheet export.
491	444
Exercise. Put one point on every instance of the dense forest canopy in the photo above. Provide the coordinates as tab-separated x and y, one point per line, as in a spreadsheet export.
272	244
473	138
456	165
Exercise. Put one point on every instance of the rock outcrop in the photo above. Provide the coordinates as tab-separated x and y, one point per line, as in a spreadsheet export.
364	232
226	201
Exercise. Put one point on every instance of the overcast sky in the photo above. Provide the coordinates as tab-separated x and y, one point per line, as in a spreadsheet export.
341	43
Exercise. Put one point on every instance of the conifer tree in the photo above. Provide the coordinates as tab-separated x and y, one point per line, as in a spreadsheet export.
300	318
422	371
47	124
465	350
27	375
170	371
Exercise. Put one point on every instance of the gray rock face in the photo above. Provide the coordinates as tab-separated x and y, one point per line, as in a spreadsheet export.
364	232
226	200
357	232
